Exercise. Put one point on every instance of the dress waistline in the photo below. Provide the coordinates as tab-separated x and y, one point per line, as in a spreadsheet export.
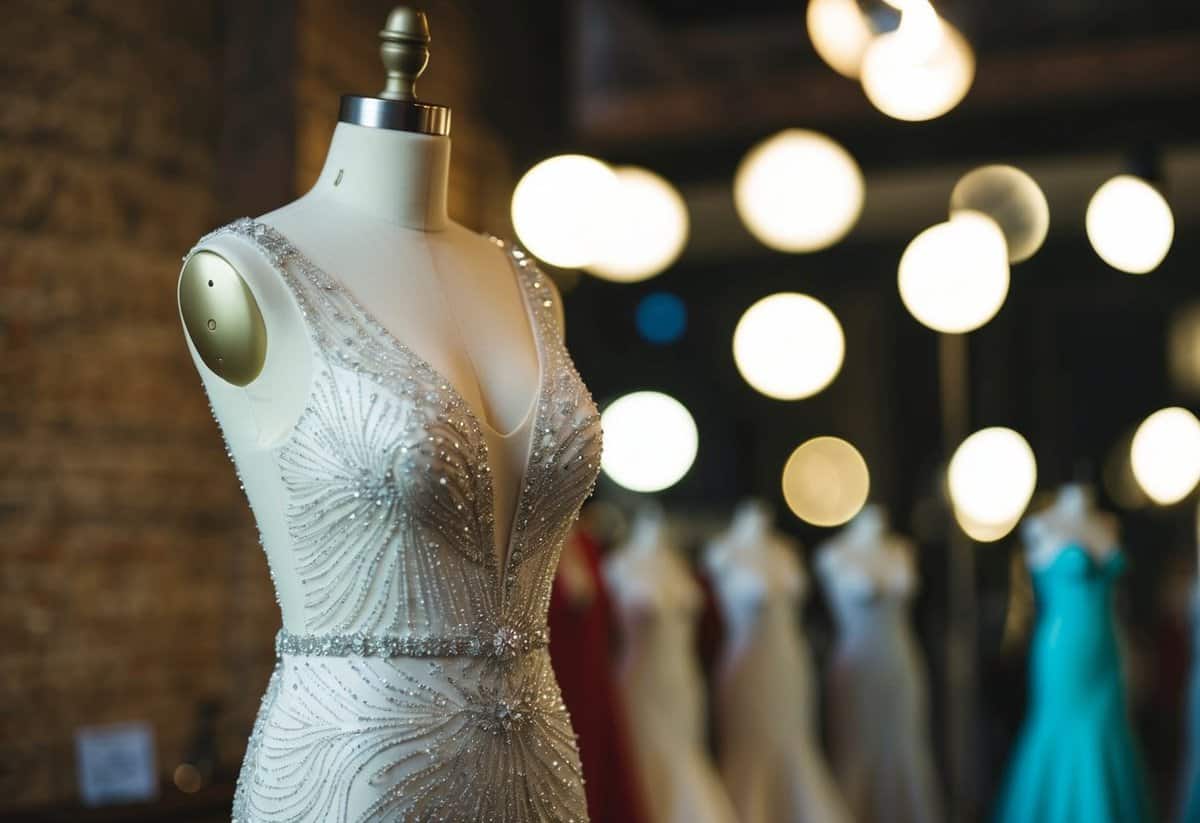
502	643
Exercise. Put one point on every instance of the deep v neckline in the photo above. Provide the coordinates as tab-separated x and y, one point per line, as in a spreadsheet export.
477	422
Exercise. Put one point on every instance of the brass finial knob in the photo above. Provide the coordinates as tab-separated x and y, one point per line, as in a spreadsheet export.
405	52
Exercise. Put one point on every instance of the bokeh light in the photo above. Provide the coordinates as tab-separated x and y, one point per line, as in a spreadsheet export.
826	481
188	778
991	478
661	317
561	209
840	34
647	229
798	191
984	532
1130	224
1165	455
953	277
788	346
921	70
650	441
1010	197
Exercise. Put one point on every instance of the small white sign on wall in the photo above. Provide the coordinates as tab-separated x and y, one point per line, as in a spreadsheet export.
116	763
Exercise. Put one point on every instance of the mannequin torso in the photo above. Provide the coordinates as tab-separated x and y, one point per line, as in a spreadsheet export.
1077	756
376	222
866	559
657	602
878	700
755	573
1072	520
764	694
415	445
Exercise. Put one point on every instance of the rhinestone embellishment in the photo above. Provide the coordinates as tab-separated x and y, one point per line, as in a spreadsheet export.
418	686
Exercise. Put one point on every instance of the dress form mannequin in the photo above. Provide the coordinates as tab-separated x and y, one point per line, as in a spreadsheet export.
1072	520
878	697
1076	757
657	603
414	443
376	219
770	756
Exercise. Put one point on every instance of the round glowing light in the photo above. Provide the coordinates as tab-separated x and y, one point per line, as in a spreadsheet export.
188	778
561	209
650	441
1166	455
1130	224
648	228
921	70
1010	197
788	346
826	481
798	191
953	277
992	477
840	34
984	532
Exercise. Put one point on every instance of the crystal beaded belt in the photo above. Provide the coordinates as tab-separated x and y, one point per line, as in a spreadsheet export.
502	643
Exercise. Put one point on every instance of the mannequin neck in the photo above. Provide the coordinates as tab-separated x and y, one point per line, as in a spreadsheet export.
750	526
1074	502
647	534
394	176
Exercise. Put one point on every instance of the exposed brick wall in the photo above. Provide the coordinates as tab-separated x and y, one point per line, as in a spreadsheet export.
122	532
131	583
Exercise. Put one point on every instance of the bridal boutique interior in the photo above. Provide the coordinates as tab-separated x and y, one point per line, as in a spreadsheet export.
888	316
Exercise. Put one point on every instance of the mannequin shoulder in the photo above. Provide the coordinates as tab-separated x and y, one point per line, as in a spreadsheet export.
222	317
840	570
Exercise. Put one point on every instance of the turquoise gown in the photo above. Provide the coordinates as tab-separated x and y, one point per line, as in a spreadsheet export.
1189	789
1076	760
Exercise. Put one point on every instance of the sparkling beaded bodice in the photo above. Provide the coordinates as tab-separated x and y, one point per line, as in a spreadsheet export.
388	504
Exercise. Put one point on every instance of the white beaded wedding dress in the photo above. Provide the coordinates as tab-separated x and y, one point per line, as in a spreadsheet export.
420	687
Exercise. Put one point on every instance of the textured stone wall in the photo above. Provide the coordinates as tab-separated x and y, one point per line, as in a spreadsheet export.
131	583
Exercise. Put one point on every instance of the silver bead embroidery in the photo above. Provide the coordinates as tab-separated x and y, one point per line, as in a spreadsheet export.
389	505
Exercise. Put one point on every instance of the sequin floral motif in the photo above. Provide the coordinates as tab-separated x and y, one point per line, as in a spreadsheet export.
389	506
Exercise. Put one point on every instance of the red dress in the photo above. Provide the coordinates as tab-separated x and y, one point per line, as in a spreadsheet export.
581	651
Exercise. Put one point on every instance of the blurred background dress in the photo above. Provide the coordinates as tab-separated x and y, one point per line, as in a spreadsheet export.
877	690
658	602
1189	781
770	754
1077	758
580	644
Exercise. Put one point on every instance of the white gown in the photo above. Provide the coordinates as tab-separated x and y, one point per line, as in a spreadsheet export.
657	602
770	755
420	687
877	695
